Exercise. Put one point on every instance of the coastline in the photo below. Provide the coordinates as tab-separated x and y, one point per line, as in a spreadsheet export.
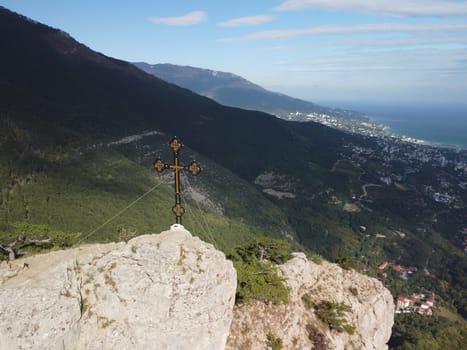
415	140
436	124
380	126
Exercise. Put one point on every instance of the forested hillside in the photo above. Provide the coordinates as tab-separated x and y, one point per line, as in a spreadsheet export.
79	132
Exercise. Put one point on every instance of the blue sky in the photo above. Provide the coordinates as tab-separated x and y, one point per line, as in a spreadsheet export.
320	50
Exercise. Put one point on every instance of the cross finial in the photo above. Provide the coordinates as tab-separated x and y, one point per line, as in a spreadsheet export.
193	168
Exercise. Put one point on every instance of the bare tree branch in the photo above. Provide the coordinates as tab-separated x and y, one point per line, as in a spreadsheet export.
13	248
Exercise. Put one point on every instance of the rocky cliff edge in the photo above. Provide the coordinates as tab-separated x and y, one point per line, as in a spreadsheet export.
173	291
166	291
296	325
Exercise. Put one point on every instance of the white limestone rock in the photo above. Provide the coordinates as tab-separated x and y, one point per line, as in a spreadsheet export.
372	311
166	291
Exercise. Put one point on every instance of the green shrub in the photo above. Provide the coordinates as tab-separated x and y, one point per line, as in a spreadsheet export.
274	250
347	263
40	231
257	275
275	343
259	281
33	238
316	258
334	314
63	239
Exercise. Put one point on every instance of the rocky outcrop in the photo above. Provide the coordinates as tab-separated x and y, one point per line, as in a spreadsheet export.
173	291
166	291
297	325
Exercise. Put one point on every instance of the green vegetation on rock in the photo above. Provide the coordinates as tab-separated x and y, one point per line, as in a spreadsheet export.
367	199
346	262
334	315
275	343
257	275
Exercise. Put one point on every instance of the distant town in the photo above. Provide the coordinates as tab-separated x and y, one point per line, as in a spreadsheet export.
436	175
450	185
354	123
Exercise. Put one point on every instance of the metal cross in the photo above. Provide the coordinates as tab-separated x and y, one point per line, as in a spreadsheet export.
193	168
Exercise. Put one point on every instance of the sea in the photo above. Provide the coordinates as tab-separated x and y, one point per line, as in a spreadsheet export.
436	124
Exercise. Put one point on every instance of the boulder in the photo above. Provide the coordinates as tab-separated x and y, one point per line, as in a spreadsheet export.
166	291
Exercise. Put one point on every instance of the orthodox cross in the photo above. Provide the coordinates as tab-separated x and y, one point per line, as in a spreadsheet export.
193	168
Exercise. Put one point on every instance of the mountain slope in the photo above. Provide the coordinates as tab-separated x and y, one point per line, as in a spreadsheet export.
73	93
232	90
68	98
63	107
102	195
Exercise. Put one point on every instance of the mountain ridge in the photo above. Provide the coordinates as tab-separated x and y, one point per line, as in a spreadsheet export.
81	98
233	90
58	104
56	108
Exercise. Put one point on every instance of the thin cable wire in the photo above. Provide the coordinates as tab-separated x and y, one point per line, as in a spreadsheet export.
209	237
120	212
206	228
200	210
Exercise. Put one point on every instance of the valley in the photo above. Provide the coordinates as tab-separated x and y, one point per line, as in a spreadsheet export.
79	132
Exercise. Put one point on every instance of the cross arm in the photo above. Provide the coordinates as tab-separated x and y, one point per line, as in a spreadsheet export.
160	166
194	168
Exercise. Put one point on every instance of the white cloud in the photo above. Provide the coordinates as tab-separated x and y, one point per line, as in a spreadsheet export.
405	8
394	74
406	60
246	21
344	30
378	44
185	20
